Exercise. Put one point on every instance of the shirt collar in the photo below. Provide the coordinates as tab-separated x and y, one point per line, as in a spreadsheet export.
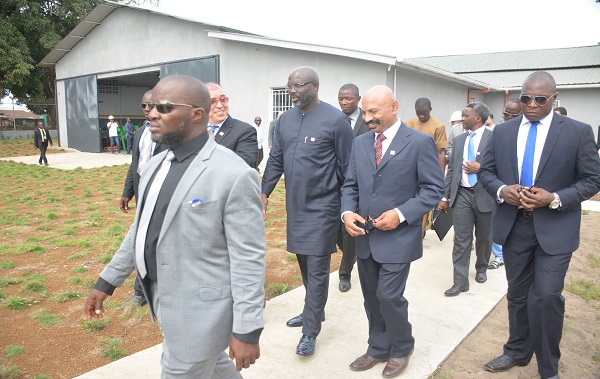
390	132
221	123
191	147
546	121
354	115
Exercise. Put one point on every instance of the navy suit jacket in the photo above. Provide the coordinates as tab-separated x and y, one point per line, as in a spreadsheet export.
409	178
360	127
569	166
240	137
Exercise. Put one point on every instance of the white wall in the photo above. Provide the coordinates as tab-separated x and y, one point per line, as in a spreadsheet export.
122	105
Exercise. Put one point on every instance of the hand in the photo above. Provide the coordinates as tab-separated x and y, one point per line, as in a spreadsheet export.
350	224
443	206
265	201
535	198
471	167
510	194
387	221
245	354
124	204
93	304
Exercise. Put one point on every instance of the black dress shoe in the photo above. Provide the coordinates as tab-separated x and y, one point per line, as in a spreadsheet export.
502	363
136	299
345	285
295	322
455	290
553	377
306	346
481	277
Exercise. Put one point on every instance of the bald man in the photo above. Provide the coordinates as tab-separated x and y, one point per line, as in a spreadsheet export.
393	179
539	167
311	147
204	277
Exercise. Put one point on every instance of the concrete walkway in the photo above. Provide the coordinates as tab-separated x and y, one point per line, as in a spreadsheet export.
439	323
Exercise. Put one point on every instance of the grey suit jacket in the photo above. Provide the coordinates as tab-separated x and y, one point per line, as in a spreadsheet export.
239	137
485	203
210	258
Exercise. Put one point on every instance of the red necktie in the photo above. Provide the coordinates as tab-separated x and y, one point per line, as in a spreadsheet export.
378	148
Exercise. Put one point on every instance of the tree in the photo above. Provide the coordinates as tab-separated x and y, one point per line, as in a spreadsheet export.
29	30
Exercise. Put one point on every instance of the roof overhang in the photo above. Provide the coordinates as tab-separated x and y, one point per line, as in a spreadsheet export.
414	65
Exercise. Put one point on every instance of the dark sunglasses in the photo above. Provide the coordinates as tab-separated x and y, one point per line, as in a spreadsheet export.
164	106
222	99
539	100
508	114
367	226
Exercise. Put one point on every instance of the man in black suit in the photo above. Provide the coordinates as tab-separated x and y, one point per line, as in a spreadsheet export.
236	135
393	179
348	98
471	205
41	138
539	167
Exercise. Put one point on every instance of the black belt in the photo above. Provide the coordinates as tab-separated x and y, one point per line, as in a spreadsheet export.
526	212
472	189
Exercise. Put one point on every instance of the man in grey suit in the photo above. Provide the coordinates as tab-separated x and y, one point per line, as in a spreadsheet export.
348	98
393	179
311	147
471	204
202	258
238	136
539	167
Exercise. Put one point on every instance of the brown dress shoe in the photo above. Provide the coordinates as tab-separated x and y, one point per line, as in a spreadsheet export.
395	367
365	362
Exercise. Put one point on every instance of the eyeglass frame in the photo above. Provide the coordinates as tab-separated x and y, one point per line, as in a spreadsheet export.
161	104
297	86
535	98
506	113
224	100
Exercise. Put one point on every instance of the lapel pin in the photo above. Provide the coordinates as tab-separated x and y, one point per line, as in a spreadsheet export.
393	152
195	202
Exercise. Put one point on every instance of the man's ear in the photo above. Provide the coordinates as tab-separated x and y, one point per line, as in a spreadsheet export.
198	114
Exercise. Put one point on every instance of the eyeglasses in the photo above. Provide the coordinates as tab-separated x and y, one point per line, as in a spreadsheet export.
539	100
222	99
367	226
508	114
164	106
297	85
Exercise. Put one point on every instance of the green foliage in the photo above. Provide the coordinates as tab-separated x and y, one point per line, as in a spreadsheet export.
34	287
76	256
80	270
63	297
291	257
46	318
52	216
585	289
7	265
111	349
74	280
9	372
5	282
96	325
593	260
42	377
16	303
276	289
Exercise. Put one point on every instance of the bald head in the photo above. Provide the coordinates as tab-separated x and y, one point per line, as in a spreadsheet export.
306	73
187	88
541	77
380	108
539	91
303	88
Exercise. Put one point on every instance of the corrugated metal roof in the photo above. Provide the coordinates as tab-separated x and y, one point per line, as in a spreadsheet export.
19	115
563	77
585	56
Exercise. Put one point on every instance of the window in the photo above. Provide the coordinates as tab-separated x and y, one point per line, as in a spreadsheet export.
108	86
281	101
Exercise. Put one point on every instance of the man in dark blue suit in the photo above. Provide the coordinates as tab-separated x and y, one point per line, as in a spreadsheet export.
539	167
393	179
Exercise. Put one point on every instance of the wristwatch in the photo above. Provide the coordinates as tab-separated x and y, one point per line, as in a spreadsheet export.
554	203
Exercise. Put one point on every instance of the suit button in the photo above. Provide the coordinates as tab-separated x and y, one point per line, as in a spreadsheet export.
374	195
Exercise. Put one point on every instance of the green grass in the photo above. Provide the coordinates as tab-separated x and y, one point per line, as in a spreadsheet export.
13	351
278	244
16	303
79	270
52	216
75	280
76	256
42	377
276	289
96	325
46	318
593	260
585	289
111	348
7	265
63	297
10	372
34	286
5	282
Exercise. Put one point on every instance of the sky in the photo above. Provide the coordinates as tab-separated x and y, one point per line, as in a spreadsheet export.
407	28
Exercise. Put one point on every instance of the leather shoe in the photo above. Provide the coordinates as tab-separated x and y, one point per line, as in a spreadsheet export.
502	363
306	346
455	290
365	362
295	322
395	367
481	277
345	285
136	299
553	377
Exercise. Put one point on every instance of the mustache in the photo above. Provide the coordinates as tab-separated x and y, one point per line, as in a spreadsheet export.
373	122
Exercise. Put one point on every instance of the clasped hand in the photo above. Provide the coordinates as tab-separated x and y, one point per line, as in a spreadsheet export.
528	198
388	220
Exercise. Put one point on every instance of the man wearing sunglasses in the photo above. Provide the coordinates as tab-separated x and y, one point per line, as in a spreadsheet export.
195	242
238	136
539	167
393	179
311	147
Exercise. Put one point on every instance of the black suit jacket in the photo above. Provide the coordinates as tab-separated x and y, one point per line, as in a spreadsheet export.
240	137
360	127
37	138
569	166
132	181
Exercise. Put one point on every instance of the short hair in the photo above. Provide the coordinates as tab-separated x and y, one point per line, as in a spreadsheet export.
515	100
481	109
491	116
423	102
350	87
561	110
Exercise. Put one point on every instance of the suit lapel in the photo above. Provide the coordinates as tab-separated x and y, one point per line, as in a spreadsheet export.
459	148
484	140
360	127
555	128
396	146
369	149
512	145
224	130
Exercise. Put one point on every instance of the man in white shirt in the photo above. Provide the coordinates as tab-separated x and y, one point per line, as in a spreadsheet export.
113	134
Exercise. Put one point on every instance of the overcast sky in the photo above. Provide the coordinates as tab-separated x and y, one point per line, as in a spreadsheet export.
405	28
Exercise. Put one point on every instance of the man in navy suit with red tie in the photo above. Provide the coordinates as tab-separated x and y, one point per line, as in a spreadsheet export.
539	167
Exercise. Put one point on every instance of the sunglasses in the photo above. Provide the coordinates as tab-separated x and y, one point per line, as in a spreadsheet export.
222	99
164	106
297	85
539	100
508	114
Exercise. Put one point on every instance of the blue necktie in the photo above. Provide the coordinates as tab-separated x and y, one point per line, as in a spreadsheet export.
471	157
213	128
527	166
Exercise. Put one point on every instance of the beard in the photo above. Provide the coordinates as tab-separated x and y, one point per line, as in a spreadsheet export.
176	137
303	101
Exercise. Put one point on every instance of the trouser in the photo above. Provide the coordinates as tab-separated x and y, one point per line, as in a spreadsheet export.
347	244
43	148
315	277
114	141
